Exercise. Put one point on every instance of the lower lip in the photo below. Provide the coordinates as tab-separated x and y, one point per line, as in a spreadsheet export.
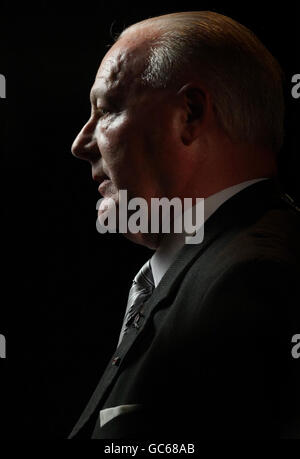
103	186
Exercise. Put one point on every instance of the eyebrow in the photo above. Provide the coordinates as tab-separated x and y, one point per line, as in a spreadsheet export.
109	97
95	93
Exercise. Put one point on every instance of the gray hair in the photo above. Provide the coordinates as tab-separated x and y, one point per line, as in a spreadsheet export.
243	78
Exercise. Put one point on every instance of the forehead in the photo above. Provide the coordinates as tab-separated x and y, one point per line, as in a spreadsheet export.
120	68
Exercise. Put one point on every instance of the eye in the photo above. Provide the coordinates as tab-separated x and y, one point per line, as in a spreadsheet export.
103	111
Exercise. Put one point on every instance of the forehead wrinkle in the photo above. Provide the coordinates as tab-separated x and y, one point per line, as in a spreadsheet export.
123	65
109	72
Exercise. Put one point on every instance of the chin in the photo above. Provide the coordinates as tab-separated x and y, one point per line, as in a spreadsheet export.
146	239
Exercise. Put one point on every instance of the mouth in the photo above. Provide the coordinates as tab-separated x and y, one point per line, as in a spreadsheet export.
104	180
105	188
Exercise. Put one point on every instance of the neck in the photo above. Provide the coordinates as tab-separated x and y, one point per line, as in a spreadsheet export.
224	167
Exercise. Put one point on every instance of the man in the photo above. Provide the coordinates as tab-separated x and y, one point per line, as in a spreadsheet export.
190	105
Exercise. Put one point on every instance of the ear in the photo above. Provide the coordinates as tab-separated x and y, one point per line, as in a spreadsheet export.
194	103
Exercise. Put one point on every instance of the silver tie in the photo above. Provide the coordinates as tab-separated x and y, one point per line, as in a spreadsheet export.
141	289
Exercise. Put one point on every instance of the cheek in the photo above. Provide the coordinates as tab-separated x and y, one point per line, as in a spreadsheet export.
111	138
110	128
116	142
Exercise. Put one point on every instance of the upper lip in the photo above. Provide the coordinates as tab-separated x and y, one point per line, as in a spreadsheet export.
100	176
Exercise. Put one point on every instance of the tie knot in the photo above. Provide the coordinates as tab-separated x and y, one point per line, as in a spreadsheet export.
141	289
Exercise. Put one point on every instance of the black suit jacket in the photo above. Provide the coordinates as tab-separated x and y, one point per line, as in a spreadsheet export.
211	356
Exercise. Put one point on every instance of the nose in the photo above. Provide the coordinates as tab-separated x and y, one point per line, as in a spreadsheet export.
85	145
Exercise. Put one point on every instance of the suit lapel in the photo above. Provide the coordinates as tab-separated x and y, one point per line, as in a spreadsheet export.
239	210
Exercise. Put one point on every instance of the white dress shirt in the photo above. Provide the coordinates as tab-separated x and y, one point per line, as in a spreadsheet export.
172	243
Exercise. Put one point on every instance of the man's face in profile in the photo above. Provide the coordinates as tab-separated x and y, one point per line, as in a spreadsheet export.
130	139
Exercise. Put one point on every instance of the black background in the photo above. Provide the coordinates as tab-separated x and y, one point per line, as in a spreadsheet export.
64	286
